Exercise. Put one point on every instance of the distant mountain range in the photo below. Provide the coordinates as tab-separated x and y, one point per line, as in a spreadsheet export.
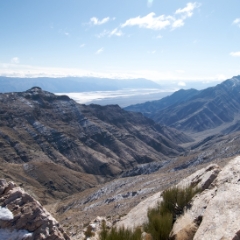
55	137
72	84
196	111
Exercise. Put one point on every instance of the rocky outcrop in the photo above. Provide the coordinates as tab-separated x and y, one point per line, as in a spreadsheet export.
22	217
214	213
138	215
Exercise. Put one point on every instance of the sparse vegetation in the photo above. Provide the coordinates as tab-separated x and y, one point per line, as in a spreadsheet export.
119	234
161	218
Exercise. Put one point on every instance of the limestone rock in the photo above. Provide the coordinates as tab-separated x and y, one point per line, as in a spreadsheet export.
215	212
22	217
201	178
138	215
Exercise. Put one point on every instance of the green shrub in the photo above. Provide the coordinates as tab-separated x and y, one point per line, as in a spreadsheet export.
176	199
119	234
161	218
159	225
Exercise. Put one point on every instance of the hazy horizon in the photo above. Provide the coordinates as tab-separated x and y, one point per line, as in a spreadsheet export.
174	41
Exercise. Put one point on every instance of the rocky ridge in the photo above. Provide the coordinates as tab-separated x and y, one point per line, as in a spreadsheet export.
56	142
196	111
212	214
22	217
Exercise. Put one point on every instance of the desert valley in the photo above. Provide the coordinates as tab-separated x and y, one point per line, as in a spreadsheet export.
85	164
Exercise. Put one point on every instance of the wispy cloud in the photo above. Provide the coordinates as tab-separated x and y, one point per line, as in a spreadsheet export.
177	23
188	10
159	36
99	51
15	60
235	54
114	32
151	21
237	22
182	84
17	70
82	45
96	21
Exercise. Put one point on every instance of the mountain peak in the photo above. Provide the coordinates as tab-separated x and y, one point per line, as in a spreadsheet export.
34	89
234	81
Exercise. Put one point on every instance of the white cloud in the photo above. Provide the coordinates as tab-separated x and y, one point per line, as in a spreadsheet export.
178	23
221	77
99	51
159	36
182	84
237	22
82	45
235	54
114	32
66	34
188	10
28	71
102	34
151	21
96	21
15	60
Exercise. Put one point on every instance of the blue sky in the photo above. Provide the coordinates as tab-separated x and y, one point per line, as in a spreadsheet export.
173	40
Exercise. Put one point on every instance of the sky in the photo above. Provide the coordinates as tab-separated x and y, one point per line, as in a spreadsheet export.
160	40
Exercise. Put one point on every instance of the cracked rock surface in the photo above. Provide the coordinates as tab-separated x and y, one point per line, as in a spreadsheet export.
22	217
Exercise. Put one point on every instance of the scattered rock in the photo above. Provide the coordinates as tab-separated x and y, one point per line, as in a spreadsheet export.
92	230
22	217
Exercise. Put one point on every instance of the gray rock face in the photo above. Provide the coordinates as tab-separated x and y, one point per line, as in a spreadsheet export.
215	212
22	217
138	215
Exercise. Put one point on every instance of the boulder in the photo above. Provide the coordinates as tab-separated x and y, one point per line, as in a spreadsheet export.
22	217
214	213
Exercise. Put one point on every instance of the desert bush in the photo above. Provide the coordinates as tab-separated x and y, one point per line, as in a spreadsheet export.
119	234
176	199
159	225
161	218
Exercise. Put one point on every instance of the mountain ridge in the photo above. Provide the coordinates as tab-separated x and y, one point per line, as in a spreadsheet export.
204	109
72	84
41	132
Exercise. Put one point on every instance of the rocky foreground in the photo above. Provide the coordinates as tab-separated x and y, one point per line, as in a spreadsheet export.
213	214
23	218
